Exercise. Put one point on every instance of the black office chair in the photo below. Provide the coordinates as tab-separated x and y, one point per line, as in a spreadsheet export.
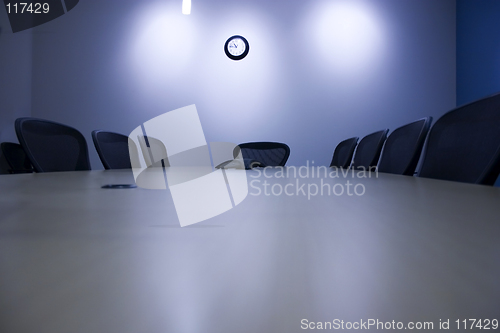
368	151
263	154
403	147
342	156
464	144
113	149
51	146
13	159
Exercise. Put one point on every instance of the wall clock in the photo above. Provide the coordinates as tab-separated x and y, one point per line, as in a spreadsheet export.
236	47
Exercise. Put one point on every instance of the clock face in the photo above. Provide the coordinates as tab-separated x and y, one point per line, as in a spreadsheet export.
236	47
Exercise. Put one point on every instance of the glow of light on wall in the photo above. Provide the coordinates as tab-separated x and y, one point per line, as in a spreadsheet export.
241	92
171	59
186	7
161	45
347	35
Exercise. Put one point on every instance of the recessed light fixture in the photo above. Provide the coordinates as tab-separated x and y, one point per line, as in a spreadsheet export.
186	7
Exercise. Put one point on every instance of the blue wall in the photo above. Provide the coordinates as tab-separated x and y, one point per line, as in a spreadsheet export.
15	77
478	49
318	71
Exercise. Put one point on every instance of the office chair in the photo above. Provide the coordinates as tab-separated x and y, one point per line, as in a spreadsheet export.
342	156
51	146
403	148
464	144
263	154
13	159
113	149
368	151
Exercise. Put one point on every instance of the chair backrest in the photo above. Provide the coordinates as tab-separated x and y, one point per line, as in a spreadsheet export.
13	159
368	151
403	148
342	156
464	144
263	153
113	149
51	146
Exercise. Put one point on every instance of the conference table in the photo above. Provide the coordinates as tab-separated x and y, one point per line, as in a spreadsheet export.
394	253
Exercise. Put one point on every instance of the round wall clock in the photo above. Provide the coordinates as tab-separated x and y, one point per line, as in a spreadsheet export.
236	47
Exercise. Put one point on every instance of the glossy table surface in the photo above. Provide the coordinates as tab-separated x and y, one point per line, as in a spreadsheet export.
78	258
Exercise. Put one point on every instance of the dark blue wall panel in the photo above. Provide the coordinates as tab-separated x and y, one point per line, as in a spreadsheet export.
478	49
